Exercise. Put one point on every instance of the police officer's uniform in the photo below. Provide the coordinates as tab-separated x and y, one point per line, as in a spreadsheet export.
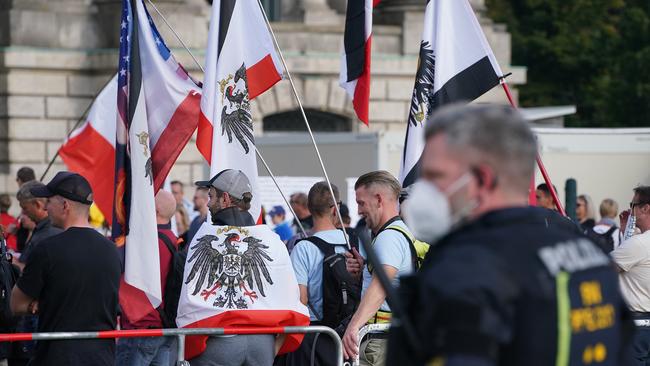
512	288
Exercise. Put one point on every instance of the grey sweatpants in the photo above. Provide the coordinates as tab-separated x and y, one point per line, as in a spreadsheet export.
240	350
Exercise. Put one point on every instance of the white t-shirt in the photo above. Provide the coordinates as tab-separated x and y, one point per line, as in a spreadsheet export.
633	257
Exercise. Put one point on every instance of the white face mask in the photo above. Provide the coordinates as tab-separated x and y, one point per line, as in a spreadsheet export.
427	211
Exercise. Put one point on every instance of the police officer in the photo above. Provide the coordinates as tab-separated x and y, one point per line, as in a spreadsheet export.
500	286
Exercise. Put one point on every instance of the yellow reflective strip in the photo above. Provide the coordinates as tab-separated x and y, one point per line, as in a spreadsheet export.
563	319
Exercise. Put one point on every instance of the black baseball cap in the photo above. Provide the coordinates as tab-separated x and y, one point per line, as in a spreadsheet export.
66	184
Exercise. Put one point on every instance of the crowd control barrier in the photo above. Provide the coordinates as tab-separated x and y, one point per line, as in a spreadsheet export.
369	328
179	333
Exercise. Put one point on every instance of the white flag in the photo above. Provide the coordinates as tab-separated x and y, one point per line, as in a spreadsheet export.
456	64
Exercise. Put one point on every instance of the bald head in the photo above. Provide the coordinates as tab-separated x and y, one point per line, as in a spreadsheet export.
165	207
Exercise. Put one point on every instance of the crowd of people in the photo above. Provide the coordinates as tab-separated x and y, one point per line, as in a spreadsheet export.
499	282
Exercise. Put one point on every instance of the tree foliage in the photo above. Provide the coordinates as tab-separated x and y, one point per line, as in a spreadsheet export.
591	53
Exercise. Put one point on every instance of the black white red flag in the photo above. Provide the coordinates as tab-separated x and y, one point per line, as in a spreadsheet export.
455	64
241	63
355	59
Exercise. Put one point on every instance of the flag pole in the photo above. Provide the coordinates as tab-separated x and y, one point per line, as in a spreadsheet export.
304	117
540	164
259	154
76	125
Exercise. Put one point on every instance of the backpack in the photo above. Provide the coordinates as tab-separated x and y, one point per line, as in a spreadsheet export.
341	292
604	241
418	248
173	284
8	275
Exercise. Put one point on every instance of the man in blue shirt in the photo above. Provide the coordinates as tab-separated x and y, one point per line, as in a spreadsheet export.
282	227
377	195
307	260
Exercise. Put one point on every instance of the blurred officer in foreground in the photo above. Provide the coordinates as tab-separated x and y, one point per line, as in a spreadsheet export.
500	287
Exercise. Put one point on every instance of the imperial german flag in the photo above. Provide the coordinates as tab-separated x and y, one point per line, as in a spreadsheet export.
241	63
239	277
355	59
456	64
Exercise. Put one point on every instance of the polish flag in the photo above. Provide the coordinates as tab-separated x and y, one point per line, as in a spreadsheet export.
241	63
239	277
355	59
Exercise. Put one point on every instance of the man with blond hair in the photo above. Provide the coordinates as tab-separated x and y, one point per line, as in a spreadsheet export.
377	195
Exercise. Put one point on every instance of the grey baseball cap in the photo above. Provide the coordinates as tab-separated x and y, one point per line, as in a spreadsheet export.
234	182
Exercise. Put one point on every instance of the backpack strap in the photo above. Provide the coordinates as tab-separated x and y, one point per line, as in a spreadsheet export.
411	239
168	242
611	230
325	247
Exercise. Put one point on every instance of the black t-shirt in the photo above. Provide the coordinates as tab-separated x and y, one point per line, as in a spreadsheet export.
75	276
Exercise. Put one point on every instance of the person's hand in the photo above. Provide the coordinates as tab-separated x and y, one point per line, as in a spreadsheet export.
32	308
624	217
353	262
350	342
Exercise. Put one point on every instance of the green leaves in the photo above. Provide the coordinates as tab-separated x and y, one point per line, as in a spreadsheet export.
592	53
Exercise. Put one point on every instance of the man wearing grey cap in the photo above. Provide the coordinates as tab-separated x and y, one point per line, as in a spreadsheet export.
229	198
71	279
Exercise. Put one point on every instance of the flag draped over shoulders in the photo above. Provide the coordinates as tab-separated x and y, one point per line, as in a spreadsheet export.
239	277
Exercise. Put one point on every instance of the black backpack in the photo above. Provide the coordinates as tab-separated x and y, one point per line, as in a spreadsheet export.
604	241
173	284
341	292
9	274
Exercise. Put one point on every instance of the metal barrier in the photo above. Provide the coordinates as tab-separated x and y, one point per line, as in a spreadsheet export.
179	333
364	331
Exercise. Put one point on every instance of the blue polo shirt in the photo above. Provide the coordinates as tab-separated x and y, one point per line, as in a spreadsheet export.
307	261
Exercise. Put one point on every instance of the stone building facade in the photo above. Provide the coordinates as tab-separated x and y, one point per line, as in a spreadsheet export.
55	55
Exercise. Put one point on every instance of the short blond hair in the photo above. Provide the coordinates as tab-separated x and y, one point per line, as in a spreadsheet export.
379	178
608	208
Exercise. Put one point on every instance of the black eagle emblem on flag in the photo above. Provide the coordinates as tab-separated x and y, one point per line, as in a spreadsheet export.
422	100
236	119
238	272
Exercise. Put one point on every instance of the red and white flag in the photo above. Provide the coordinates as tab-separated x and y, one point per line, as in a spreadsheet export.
239	277
172	110
355	59
137	128
90	149
241	63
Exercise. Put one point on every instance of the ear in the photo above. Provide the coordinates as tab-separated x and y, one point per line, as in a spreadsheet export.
485	177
